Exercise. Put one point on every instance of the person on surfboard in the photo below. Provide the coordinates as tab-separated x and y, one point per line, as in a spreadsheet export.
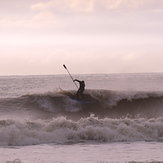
81	88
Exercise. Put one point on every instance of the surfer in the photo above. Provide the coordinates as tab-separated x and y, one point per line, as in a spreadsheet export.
81	88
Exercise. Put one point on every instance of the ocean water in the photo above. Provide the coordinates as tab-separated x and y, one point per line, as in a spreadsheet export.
121	119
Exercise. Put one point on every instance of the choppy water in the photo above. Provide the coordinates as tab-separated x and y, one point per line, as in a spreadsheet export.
38	112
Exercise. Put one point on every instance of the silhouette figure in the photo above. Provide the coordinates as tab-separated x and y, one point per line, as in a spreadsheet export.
81	89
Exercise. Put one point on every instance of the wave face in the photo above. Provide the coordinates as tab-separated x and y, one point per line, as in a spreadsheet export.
62	130
105	103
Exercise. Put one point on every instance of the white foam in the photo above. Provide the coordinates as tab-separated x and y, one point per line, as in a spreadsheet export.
61	130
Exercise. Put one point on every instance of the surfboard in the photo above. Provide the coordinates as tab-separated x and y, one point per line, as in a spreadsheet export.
84	102
88	99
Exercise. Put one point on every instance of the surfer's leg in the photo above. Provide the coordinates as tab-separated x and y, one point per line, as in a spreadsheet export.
81	92
82	95
77	94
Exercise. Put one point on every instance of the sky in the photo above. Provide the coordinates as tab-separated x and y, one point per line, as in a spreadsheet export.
89	36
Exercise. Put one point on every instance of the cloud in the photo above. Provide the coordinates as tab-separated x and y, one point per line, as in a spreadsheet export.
57	13
42	19
65	6
119	4
45	19
127	4
90	6
133	55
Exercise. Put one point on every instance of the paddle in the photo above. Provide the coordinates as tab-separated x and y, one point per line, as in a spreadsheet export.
70	75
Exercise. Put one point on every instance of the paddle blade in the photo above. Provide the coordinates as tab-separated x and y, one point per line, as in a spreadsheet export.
64	66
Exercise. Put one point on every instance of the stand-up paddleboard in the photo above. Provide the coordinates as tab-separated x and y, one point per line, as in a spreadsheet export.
88	99
83	101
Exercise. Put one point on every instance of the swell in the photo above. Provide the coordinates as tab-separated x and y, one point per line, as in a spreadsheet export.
62	130
105	103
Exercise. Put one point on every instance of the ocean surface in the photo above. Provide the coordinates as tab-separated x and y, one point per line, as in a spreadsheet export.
120	120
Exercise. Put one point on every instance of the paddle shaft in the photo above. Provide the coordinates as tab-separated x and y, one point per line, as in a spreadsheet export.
70	75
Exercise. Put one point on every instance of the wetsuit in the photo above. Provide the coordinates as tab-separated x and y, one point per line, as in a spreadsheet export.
81	89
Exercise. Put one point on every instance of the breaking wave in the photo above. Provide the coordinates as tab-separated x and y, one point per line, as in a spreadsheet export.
62	130
55	117
103	103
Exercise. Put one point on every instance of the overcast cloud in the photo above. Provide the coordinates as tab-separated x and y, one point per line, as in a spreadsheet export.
89	36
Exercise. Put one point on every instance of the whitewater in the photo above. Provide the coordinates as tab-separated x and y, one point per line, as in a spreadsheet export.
121	121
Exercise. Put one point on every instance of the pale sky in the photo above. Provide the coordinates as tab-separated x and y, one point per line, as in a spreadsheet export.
89	36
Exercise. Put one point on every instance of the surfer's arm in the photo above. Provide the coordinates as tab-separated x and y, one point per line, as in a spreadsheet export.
77	80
